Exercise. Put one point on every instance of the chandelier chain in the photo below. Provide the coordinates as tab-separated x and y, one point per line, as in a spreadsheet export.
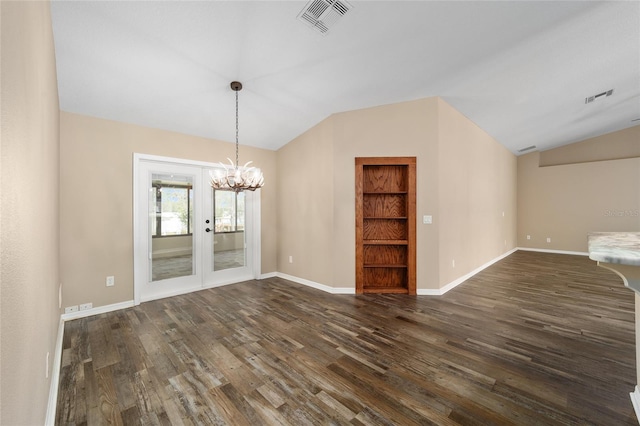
233	177
237	162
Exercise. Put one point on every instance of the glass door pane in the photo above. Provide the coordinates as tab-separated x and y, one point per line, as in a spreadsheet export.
229	244
171	206
228	247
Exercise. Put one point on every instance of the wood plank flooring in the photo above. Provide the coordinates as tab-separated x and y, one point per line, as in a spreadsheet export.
536	339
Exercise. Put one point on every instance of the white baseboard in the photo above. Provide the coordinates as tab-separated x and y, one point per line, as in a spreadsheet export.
635	400
420	292
96	311
575	253
442	290
268	275
318	286
52	405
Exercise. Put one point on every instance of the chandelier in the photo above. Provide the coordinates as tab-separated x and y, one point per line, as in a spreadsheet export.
232	177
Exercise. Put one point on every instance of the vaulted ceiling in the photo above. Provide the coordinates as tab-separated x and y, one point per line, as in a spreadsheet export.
521	70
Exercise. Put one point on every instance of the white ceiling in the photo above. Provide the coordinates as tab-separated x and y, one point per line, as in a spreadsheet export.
521	70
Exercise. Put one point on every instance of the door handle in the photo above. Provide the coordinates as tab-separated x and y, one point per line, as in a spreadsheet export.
208	229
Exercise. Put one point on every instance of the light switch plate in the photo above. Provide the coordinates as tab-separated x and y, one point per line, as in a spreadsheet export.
427	219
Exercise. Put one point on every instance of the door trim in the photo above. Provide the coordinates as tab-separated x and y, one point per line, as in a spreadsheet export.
138	244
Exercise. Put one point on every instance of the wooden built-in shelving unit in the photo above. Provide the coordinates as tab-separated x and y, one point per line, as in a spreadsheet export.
386	225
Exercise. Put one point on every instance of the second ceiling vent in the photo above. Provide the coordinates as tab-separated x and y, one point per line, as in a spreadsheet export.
602	95
321	15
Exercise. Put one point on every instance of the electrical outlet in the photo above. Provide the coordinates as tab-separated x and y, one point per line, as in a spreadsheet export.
85	306
548	239
453	263
528	237
290	259
111	281
70	309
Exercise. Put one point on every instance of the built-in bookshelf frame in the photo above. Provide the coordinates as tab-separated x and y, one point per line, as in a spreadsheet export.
385	225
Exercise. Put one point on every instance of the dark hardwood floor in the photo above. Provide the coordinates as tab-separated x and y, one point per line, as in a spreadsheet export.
536	339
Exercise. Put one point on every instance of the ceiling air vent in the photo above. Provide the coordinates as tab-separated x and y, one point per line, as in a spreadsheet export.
321	15
529	148
598	96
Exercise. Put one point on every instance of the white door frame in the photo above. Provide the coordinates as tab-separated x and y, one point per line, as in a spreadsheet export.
140	243
146	289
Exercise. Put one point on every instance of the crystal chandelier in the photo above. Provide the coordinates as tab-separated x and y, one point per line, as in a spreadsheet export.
233	177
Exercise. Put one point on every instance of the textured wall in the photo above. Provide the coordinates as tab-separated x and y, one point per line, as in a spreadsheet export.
96	184
29	213
477	189
566	202
611	146
305	205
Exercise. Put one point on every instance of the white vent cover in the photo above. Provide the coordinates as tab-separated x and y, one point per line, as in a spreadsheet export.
598	96
321	15
527	148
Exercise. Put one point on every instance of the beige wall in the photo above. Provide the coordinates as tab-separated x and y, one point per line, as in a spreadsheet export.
464	179
305	205
565	202
96	185
29	213
477	195
611	146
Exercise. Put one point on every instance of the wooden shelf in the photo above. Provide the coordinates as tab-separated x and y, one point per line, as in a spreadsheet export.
385	242
372	265
386	217
387	290
385	193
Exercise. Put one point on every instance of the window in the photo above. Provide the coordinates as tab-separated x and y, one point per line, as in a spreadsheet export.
174	210
228	211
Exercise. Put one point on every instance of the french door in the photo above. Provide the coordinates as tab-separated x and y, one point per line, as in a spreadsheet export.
186	235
